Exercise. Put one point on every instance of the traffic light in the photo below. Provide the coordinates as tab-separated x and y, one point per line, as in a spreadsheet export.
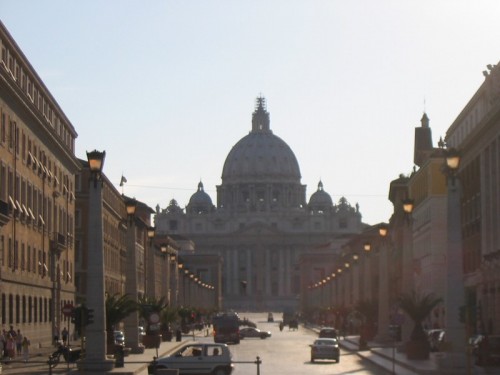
89	316
76	319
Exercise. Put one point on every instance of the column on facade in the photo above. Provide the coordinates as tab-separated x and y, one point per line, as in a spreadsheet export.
227	269
267	274
289	271
236	272
249	272
281	272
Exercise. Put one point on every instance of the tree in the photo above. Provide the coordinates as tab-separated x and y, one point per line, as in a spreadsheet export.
147	305
117	308
418	308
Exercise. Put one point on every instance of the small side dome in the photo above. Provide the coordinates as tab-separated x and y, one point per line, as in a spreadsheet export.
320	200
200	202
173	207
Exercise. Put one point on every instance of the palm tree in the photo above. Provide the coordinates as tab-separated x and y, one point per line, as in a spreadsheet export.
117	308
168	316
418	308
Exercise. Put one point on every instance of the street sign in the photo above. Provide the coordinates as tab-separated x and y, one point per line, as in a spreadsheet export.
67	309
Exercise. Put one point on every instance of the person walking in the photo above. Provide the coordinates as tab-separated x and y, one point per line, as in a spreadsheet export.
11	347
26	349
19	342
64	335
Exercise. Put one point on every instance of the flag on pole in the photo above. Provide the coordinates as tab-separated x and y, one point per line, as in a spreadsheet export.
123	180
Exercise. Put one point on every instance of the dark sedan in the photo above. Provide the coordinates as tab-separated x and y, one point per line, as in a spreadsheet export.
254	332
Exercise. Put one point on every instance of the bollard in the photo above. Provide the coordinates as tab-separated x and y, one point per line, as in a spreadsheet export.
119	356
178	335
258	362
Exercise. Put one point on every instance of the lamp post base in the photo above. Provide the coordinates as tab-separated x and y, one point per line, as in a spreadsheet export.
453	363
96	366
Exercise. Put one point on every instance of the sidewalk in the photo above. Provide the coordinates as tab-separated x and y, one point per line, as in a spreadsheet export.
134	364
390	359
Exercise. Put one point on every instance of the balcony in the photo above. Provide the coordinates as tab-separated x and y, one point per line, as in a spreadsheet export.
4	213
58	243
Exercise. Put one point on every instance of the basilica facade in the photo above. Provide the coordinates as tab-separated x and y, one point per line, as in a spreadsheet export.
262	225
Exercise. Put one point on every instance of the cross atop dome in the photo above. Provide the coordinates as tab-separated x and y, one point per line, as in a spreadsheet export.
260	117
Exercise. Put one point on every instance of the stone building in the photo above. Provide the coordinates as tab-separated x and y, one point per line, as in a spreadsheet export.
476	134
37	200
262	222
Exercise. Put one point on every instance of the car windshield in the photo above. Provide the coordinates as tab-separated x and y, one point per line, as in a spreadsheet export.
325	342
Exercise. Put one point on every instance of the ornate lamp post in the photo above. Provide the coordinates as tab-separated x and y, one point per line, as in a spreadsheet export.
383	290
95	358
131	283
407	284
151	287
454	288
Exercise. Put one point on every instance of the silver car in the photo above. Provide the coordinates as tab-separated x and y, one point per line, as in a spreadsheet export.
197	358
326	348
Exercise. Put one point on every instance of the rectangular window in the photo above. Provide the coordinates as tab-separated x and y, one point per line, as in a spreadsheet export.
3	129
23	257
2	251
28	259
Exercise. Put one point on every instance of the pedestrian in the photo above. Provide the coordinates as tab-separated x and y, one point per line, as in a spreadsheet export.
64	334
19	342
5	337
26	349
11	347
12	332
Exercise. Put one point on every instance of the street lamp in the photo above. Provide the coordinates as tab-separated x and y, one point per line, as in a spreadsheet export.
131	282
95	357
454	288
149	272
383	289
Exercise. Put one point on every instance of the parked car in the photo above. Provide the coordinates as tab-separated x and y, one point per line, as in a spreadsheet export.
270	317
214	359
328	332
325	348
436	338
488	350
254	332
119	337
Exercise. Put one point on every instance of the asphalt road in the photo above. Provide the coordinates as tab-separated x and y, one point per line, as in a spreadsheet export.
288	353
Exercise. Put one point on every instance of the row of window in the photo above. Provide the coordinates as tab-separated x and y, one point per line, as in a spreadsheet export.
22	76
25	309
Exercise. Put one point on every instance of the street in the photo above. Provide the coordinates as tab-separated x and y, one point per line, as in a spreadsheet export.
288	352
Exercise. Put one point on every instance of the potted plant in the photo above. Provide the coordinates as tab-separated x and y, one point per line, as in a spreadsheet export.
168	316
369	313
150	307
418	308
117	308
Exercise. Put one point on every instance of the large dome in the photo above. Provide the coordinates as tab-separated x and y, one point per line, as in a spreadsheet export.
260	155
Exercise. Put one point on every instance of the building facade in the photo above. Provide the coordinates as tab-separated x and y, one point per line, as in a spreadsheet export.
262	223
37	200
476	134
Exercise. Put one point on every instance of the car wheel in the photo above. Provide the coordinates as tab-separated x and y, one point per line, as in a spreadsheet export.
262	337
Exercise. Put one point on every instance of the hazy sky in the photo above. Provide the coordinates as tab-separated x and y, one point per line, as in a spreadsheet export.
168	87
